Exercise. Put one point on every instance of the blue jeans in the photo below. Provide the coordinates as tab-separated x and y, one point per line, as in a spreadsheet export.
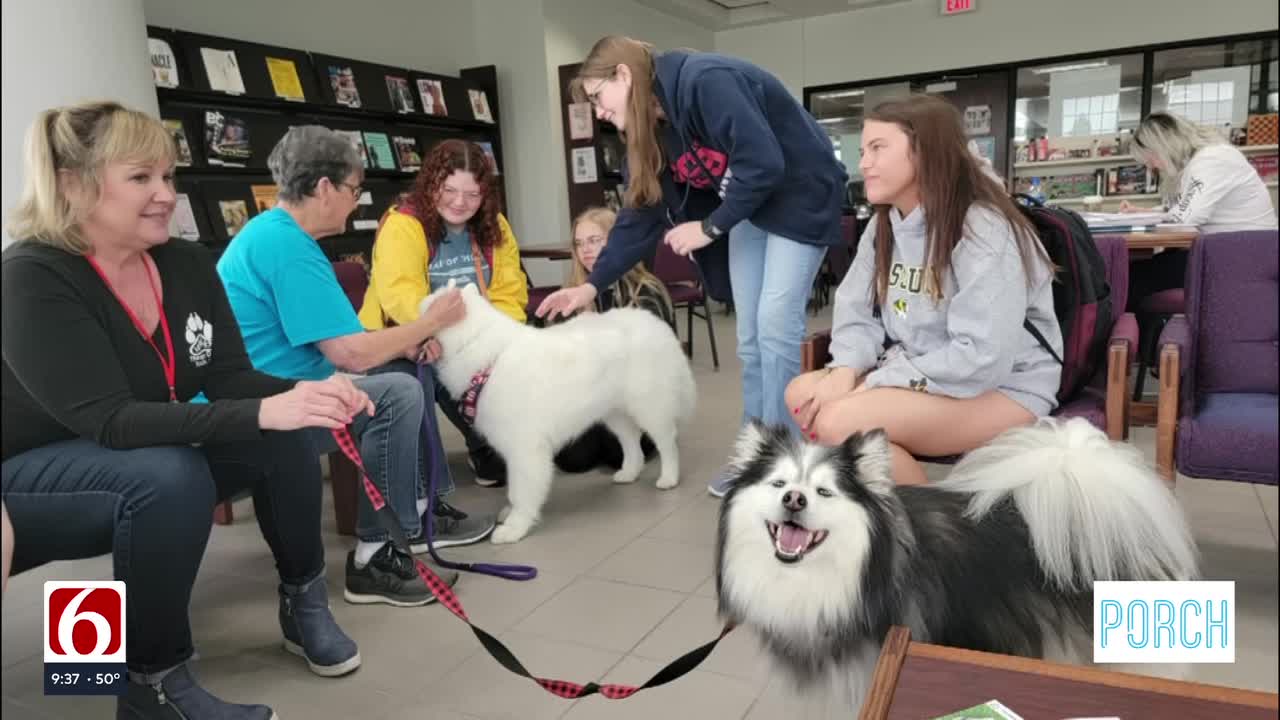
388	444
152	508
431	455
772	278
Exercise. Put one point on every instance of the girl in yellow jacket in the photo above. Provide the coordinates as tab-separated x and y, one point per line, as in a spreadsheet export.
447	227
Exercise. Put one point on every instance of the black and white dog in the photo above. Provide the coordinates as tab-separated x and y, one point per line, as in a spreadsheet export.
819	552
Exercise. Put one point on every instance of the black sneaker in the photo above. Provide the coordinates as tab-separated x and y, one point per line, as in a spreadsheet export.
452	528
390	578
488	466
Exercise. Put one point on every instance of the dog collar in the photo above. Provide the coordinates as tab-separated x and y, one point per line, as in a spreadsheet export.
471	396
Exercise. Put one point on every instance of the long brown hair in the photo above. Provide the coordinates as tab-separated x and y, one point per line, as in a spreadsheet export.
950	181
644	153
445	158
635	279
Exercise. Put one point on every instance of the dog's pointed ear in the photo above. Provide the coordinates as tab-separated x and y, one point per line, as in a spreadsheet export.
751	444
871	457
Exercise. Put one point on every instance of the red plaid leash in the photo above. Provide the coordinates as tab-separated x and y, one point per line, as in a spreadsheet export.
675	669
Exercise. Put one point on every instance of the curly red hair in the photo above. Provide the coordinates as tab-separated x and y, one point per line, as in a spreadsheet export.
443	160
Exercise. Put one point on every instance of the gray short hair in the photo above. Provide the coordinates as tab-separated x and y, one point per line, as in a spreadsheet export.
308	153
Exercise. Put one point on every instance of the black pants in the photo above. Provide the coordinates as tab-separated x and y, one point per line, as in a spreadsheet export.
597	447
1164	271
446	402
152	508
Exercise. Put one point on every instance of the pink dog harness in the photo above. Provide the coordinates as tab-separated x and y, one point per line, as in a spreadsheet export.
471	396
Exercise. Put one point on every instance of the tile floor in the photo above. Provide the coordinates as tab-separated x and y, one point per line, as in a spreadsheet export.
625	585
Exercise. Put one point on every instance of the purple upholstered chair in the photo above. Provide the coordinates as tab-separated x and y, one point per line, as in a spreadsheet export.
684	284
1104	402
1219	375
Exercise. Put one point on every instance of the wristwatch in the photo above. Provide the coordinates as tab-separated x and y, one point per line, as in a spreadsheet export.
711	231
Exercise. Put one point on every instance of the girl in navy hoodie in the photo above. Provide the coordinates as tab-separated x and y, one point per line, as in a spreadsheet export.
722	163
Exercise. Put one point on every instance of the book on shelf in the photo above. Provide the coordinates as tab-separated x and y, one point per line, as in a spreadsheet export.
380	155
164	65
487	147
1265	165
182	224
401	95
358	141
343	81
407	155
226	139
432	93
580	125
234	215
264	197
480	105
223	70
182	148
284	79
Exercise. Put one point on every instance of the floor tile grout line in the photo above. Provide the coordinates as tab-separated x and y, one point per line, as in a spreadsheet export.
1266	517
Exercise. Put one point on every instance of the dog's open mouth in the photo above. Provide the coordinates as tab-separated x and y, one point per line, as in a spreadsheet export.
792	541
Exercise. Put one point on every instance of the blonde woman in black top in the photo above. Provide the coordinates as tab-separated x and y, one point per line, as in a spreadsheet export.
108	330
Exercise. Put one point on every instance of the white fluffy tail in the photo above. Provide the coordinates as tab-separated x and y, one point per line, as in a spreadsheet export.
1095	509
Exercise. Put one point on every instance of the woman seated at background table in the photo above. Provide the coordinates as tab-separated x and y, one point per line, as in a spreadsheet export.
637	289
447	227
1205	182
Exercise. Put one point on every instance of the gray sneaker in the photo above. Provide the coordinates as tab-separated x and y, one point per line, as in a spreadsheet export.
311	632
391	578
454	527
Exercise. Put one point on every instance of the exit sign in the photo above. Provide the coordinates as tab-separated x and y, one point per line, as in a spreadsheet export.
955	7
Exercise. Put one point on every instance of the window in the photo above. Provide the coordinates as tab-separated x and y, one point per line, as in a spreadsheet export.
1091	115
1091	96
1218	84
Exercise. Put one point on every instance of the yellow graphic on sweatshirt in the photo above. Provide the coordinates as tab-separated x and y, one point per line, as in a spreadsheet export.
900	307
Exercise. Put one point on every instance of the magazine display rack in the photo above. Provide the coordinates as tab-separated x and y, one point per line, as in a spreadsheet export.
228	102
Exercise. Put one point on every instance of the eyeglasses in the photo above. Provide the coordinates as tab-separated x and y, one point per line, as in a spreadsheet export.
593	96
449	193
356	190
592	242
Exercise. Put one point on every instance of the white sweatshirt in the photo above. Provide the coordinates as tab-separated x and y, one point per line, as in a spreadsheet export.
967	343
1221	192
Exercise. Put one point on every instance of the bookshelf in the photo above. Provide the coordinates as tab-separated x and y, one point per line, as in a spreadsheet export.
282	87
605	149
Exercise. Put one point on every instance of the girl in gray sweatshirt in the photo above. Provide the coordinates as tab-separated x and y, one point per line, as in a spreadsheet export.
966	342
928	341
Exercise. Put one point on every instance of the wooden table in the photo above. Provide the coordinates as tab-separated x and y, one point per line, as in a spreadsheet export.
1154	240
916	681
547	253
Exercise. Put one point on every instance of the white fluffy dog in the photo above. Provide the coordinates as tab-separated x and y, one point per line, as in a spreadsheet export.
624	368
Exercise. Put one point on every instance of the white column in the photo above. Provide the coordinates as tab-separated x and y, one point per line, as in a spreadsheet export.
58	52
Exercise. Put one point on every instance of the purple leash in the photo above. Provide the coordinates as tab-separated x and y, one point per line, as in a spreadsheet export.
429	430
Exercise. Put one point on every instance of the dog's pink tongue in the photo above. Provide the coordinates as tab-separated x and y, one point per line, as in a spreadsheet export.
793	538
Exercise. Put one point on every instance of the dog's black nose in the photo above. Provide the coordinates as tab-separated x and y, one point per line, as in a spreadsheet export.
794	500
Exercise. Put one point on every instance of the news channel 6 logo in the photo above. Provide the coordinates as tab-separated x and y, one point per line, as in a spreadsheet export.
84	637
1164	622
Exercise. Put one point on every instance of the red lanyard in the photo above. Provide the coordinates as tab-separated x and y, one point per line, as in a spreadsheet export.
170	366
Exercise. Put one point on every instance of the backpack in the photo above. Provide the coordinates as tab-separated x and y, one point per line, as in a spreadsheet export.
1081	295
